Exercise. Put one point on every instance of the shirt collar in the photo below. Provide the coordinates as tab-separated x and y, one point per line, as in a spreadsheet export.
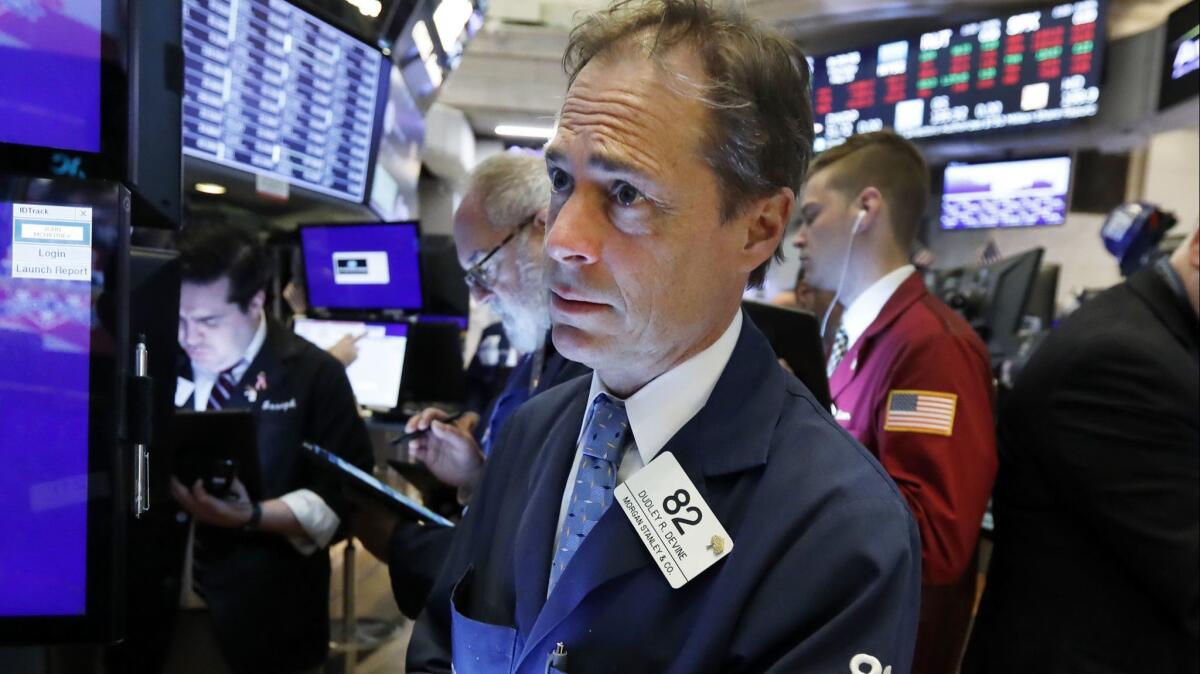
863	311
660	408
256	344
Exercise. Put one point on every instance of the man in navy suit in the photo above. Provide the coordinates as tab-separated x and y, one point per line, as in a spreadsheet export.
690	507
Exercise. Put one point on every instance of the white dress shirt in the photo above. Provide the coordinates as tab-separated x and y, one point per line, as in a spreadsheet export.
865	308
659	409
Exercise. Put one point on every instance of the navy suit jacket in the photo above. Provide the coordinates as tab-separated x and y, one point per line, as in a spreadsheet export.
825	571
417	552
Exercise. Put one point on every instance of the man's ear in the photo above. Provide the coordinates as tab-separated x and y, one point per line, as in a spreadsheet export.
870	202
766	222
255	306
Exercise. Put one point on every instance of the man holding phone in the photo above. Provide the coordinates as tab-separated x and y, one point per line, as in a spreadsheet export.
259	567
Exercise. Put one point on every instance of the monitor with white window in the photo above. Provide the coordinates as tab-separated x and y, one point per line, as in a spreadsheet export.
362	267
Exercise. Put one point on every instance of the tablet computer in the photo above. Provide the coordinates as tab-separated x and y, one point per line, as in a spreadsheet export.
795	335
217	446
363	482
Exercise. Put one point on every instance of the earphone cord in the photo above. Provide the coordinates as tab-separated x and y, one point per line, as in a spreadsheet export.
845	265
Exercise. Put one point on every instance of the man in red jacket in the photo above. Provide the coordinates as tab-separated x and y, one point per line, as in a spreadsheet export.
909	377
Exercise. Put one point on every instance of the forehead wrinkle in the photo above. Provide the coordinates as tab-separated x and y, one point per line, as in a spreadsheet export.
620	148
622	119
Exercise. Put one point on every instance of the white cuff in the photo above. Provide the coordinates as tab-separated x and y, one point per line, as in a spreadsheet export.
316	518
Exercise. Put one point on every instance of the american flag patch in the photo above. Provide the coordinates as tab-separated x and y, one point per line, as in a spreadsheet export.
921	412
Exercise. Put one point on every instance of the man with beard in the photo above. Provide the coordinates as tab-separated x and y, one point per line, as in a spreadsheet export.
498	230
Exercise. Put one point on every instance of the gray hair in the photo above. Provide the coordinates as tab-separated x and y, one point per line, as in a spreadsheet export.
512	187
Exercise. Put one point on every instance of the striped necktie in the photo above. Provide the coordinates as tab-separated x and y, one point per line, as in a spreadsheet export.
841	342
222	388
606	435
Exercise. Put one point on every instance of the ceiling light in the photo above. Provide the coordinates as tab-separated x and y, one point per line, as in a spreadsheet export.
517	131
210	188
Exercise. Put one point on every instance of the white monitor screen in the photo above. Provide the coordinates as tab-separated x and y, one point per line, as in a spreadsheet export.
375	374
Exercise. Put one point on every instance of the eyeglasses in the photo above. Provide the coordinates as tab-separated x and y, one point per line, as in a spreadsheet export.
483	277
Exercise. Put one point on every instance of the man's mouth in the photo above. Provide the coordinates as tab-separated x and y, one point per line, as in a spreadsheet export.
570	301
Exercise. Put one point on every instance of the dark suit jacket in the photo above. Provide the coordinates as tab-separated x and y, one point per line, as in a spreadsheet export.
417	553
485	382
825	568
269	603
1097	538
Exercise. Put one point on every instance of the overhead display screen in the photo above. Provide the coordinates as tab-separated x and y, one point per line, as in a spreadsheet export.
272	90
1019	193
50	74
1029	68
1181	63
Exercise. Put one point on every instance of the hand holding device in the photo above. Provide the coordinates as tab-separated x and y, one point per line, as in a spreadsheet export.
232	512
449	451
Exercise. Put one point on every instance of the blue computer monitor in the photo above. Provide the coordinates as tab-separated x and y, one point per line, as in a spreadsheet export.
63	343
362	267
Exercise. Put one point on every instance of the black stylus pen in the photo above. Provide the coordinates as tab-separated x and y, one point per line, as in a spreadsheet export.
418	433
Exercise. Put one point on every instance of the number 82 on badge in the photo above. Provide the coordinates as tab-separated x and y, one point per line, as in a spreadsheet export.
672	520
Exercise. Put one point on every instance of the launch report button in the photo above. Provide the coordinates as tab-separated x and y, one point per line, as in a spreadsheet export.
52	242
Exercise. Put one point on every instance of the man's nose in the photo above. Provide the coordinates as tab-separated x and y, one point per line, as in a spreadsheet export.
800	239
574	237
192	336
480	293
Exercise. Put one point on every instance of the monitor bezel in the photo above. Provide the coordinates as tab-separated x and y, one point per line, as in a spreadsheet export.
1172	92
108	484
111	161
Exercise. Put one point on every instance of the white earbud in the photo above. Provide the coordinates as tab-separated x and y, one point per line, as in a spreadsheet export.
858	221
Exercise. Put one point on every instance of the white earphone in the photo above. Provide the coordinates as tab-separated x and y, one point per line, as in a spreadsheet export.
858	220
862	213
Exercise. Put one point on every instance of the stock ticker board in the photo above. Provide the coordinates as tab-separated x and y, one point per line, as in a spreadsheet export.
270	89
1029	68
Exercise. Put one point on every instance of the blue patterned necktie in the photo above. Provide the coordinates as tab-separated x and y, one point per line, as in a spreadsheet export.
603	439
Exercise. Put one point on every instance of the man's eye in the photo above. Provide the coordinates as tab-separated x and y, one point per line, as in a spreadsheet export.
559	180
626	194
